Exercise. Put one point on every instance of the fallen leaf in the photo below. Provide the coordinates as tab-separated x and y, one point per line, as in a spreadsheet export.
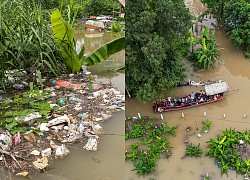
28	138
33	137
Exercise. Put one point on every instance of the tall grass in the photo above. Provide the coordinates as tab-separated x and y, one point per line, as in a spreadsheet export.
26	40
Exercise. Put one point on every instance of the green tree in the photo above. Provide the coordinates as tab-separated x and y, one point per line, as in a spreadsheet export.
236	20
237	23
216	7
97	7
156	40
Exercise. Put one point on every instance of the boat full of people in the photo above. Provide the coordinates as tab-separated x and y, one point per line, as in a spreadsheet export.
212	93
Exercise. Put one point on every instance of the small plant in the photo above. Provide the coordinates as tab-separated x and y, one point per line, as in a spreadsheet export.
136	132
153	139
193	151
206	126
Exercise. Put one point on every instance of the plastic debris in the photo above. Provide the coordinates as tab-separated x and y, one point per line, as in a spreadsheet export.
17	139
41	163
69	85
78	107
43	127
58	120
62	101
97	128
61	151
18	86
77	100
22	174
198	135
30	117
46	152
5	140
52	144
35	152
53	105
91	144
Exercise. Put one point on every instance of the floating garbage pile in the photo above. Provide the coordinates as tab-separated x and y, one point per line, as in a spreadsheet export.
37	125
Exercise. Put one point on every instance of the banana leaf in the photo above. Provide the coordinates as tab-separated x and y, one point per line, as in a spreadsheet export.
64	37
106	50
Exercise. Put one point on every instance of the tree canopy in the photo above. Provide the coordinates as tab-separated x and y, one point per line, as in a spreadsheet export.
235	16
156	40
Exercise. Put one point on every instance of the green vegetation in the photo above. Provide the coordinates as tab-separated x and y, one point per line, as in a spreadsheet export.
206	56
97	7
156	41
206	126
193	151
230	151
25	40
14	111
152	142
234	14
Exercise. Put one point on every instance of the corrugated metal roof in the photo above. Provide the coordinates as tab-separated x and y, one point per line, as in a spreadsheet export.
216	88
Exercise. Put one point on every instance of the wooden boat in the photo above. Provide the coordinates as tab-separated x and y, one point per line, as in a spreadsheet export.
97	25
213	92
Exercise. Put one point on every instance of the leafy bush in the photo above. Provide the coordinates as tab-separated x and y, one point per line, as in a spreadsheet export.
234	14
153	141
229	150
193	150
237	23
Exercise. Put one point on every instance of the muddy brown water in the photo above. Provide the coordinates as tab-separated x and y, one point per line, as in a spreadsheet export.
108	162
236	71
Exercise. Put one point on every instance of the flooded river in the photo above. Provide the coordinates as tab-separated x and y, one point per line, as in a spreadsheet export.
236	71
108	162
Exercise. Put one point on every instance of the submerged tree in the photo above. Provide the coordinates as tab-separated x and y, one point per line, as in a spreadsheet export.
234	15
156	40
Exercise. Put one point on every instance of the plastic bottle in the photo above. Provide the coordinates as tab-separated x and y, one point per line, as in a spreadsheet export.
69	85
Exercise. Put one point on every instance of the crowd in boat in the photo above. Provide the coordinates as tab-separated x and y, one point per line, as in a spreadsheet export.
187	100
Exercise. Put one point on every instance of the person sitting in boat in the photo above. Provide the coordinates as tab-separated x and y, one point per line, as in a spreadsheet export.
169	99
215	98
192	96
164	103
179	100
201	100
168	104
175	101
172	104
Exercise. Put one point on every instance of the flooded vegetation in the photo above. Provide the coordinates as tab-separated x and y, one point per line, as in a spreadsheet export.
226	116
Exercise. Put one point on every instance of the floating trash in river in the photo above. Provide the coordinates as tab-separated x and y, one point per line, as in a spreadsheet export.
61	151
41	163
5	140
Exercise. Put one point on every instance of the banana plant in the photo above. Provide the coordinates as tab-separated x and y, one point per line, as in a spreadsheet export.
64	37
103	52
